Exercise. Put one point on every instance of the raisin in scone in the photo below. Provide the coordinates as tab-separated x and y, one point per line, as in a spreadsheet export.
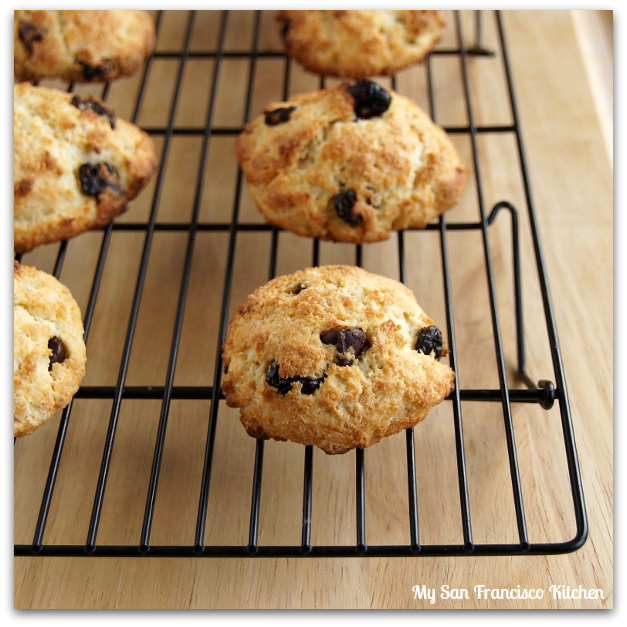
333	356
48	348
76	165
81	46
349	164
357	44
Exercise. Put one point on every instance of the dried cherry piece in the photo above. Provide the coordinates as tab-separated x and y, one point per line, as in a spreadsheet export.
279	116
308	386
96	72
429	341
350	343
97	107
371	99
58	351
344	203
284	385
286	27
29	34
96	177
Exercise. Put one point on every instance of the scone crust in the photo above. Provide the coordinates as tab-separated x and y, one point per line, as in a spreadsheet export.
82	46
358	44
52	140
43	308
403	168
389	387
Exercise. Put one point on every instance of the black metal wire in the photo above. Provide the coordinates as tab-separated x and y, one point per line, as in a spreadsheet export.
544	394
117	401
226	297
564	405
456	395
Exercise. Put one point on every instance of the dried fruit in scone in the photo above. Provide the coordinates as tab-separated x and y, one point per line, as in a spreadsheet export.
357	44
333	356
82	46
48	348
76	165
349	164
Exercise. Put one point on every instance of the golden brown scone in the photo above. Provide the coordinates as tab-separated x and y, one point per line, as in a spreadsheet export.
333	356
75	165
81	46
349	164
357	44
48	348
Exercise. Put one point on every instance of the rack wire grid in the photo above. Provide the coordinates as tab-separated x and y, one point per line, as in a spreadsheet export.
75	465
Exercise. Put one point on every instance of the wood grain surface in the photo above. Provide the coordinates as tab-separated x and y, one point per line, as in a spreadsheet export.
571	178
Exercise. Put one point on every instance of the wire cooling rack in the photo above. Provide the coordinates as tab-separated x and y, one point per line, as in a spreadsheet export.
549	391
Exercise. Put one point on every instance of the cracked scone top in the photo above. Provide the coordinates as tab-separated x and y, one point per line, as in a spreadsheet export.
48	348
357	44
349	164
75	165
333	356
82	46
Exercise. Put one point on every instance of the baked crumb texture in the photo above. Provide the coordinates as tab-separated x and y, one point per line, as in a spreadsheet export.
327	356
81	46
358	44
48	348
349	164
76	165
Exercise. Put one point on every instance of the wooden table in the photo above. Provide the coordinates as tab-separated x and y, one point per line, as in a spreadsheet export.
571	177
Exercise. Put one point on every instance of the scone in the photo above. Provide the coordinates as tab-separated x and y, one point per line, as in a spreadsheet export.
48	348
82	46
333	356
357	44
75	164
349	164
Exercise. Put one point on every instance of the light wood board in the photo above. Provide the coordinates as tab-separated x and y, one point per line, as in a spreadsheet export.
571	179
